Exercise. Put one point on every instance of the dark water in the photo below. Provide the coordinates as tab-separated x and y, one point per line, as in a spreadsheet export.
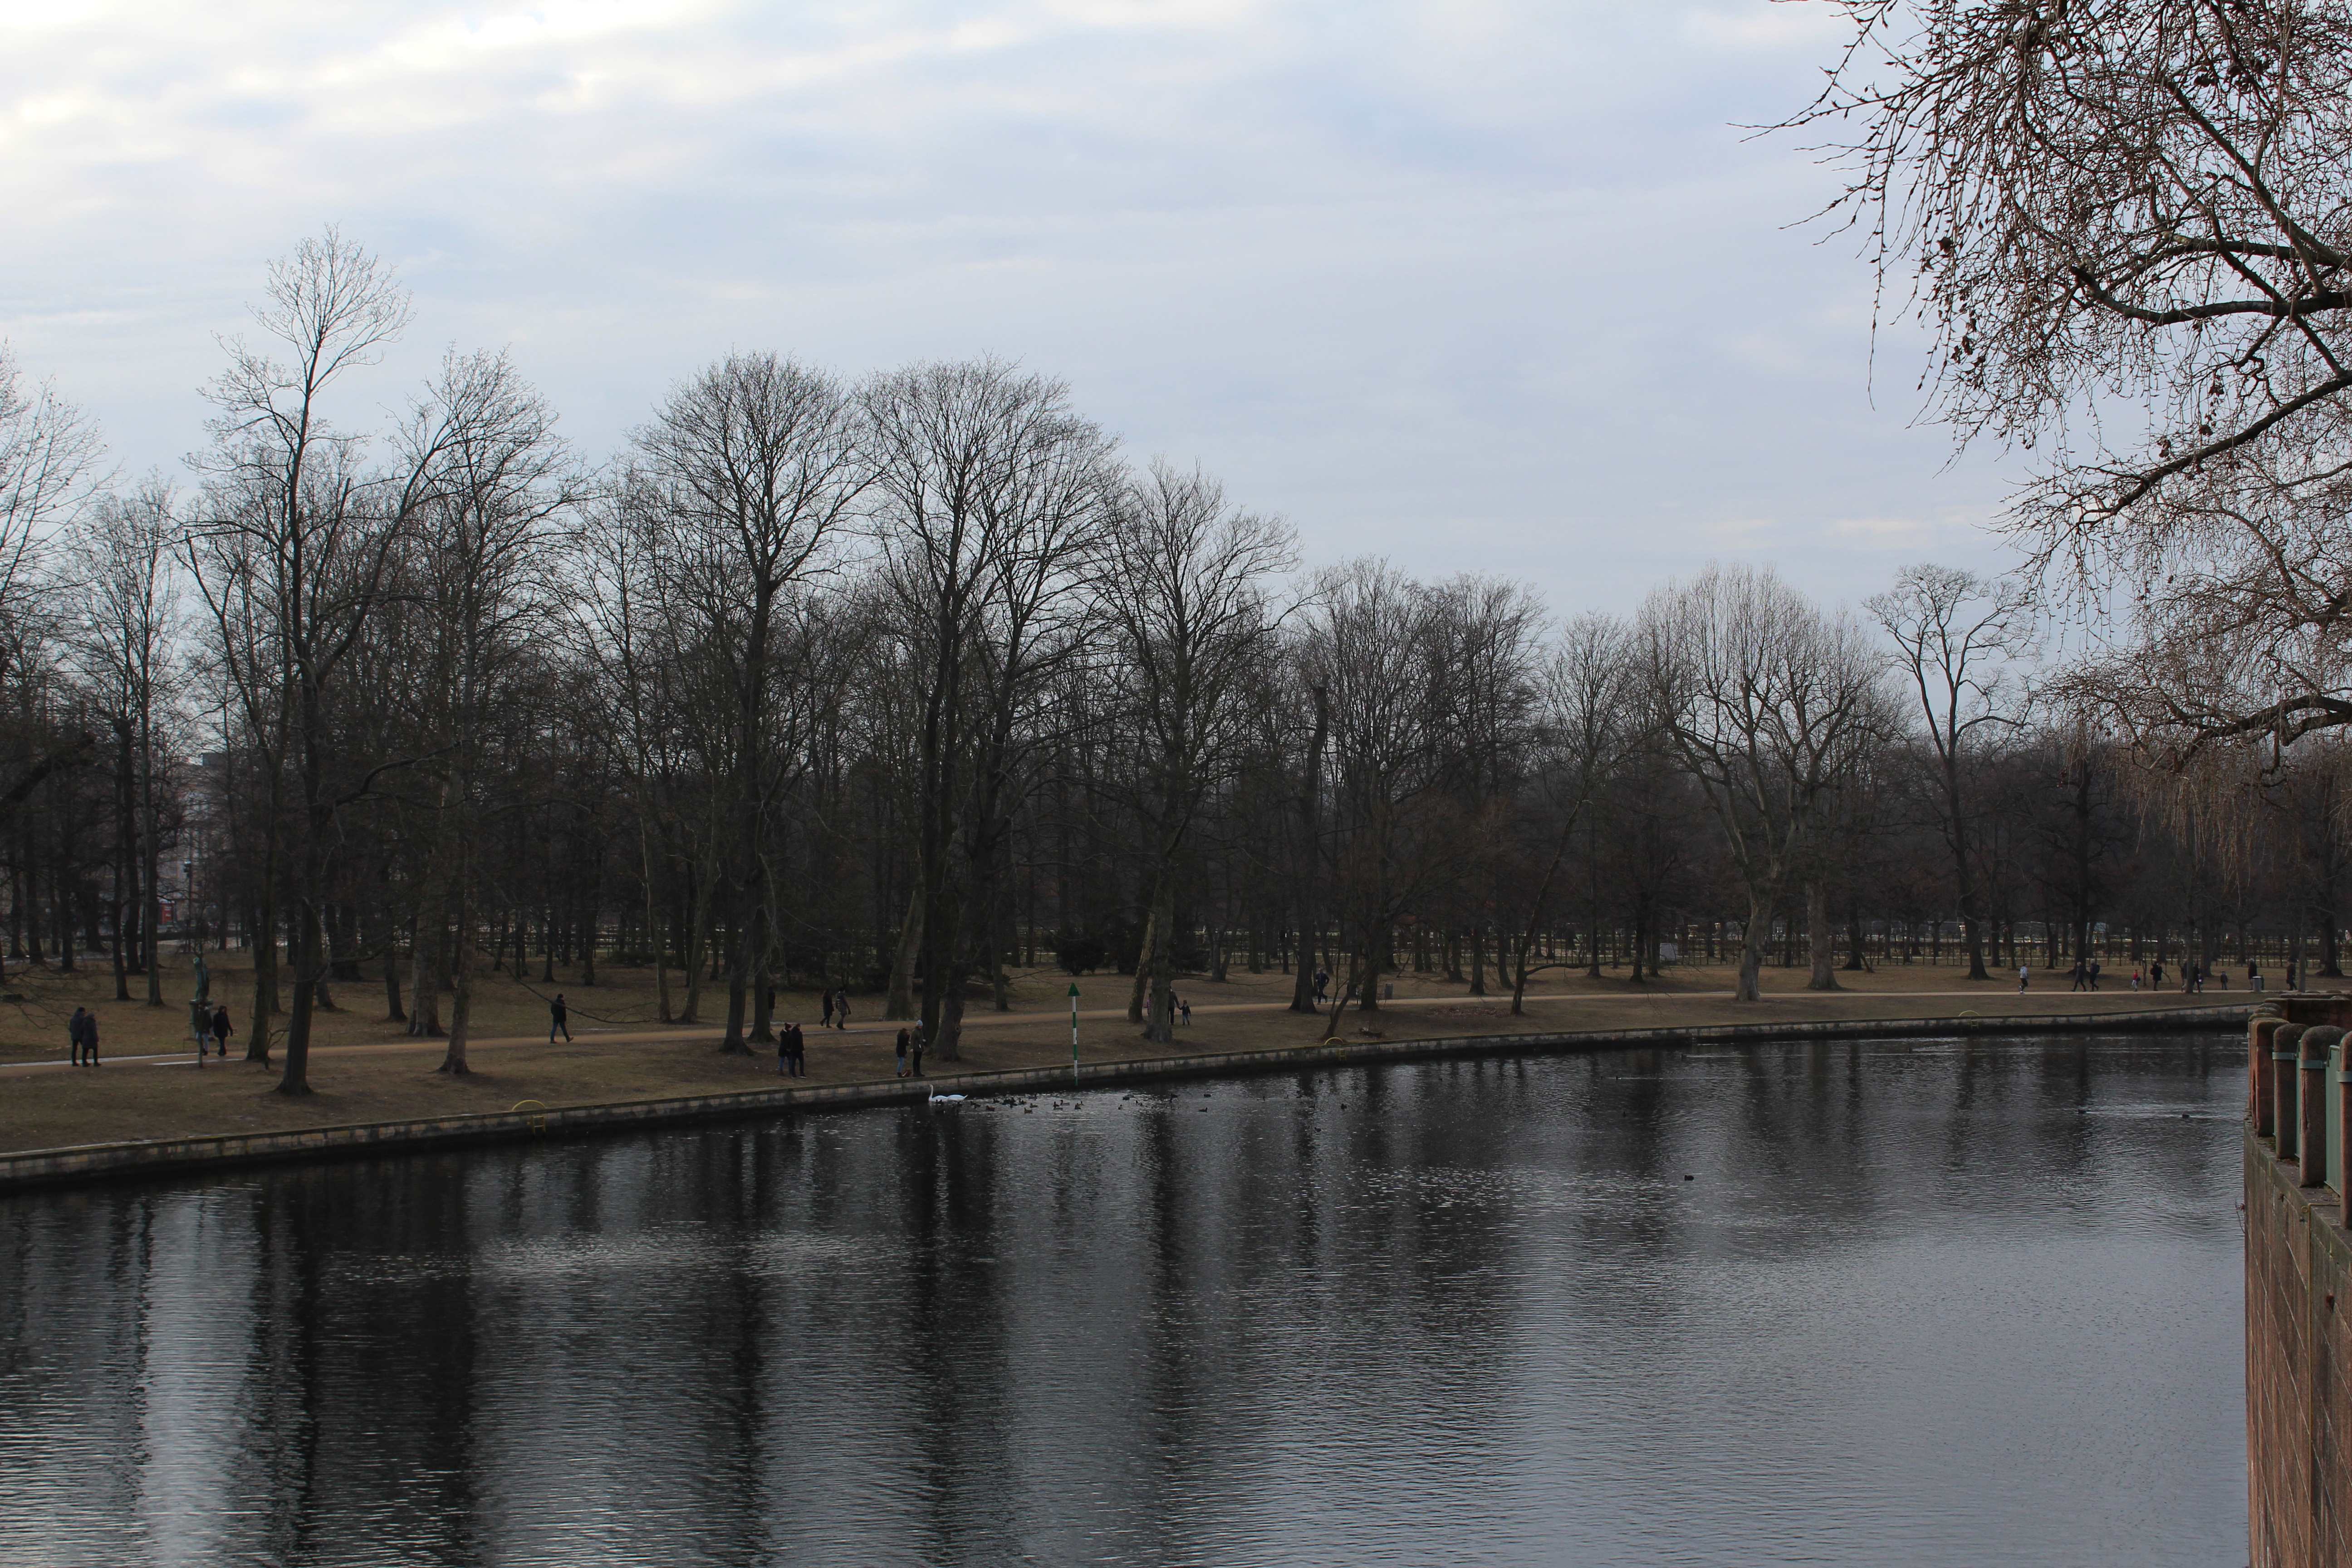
1925	1303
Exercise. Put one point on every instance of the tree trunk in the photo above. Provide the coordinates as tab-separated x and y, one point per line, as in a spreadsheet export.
461	992
899	1003
653	935
126	876
738	986
392	1011
1752	936
1160	1026
1307	874
428	963
1144	958
1820	937
152	855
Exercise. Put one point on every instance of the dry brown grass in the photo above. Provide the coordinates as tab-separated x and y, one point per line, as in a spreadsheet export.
367	1069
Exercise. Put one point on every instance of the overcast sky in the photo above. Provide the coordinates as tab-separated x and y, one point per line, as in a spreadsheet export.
1478	285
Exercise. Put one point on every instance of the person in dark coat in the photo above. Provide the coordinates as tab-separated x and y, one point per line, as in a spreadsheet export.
827	1022
797	1043
902	1053
558	1019
222	1030
919	1050
74	1027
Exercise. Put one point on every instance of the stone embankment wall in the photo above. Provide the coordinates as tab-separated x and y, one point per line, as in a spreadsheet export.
2298	1287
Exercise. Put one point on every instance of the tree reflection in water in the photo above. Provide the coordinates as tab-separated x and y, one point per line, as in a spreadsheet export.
1925	1302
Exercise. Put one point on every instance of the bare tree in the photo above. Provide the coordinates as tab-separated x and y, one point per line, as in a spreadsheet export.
130	624
50	466
1590	716
759	467
1768	706
994	497
1372	645
291	549
1490	678
1186	592
1955	635
496	487
2105	205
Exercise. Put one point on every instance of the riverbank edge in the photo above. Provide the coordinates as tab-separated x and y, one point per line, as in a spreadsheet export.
179	1156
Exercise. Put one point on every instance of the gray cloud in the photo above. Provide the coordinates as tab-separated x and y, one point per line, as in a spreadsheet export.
1489	286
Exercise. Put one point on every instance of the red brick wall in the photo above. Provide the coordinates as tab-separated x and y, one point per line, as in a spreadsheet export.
2298	1362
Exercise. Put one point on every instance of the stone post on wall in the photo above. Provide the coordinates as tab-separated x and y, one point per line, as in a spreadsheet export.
2311	1102
2260	1044
2285	1051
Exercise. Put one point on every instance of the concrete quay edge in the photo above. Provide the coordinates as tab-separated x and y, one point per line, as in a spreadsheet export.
181	1157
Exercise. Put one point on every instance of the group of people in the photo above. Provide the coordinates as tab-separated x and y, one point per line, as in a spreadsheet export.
81	1036
2192	978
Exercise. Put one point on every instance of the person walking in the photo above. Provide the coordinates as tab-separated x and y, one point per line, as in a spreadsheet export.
2155	975
2023	970
222	1030
75	1026
798	1044
2095	974
902	1053
841	1008
2135	977
827	1022
558	1019
2082	976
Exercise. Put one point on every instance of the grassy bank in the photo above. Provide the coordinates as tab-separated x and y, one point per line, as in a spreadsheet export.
367	1069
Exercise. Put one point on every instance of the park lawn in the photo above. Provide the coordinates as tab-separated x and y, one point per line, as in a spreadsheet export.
364	1069
33	1024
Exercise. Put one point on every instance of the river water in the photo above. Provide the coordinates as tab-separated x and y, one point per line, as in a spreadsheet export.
1916	1302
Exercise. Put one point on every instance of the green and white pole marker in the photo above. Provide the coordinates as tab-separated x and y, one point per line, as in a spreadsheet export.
1074	1034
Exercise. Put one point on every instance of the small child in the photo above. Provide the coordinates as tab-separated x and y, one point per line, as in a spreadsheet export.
1184	1010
